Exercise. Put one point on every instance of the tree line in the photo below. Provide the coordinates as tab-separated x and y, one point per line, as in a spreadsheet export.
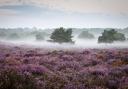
61	35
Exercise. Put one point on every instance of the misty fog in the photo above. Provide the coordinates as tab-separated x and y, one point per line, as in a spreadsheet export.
28	37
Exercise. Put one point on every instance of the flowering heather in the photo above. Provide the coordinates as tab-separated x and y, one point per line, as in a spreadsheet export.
26	68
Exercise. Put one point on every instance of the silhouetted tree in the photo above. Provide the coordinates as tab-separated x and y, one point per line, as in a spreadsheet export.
61	35
109	36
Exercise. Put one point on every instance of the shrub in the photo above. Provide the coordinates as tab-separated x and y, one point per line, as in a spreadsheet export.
120	62
10	79
111	36
62	35
53	82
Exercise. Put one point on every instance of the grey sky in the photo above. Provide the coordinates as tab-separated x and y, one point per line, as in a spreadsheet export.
68	13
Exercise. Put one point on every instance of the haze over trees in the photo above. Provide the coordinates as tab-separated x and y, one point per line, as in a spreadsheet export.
85	35
39	37
2	34
13	36
62	35
51	36
109	36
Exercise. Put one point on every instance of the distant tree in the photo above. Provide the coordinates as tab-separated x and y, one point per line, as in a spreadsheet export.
13	36
62	35
2	34
86	35
109	36
119	36
39	36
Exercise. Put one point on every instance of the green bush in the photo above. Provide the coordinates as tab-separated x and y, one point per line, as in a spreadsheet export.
109	36
61	35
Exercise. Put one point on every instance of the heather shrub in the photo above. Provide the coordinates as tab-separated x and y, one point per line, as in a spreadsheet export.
39	69
68	64
94	80
34	69
120	62
74	86
53	81
125	60
67	58
125	69
10	61
117	63
115	74
2	59
124	83
10	79
112	84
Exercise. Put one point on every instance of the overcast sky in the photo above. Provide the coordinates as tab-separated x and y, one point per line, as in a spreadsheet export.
66	13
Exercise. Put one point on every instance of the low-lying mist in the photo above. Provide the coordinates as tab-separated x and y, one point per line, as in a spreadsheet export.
79	43
88	39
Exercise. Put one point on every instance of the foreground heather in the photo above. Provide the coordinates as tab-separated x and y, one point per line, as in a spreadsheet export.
26	68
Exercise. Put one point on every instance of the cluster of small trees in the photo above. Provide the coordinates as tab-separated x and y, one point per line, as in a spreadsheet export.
61	35
109	36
